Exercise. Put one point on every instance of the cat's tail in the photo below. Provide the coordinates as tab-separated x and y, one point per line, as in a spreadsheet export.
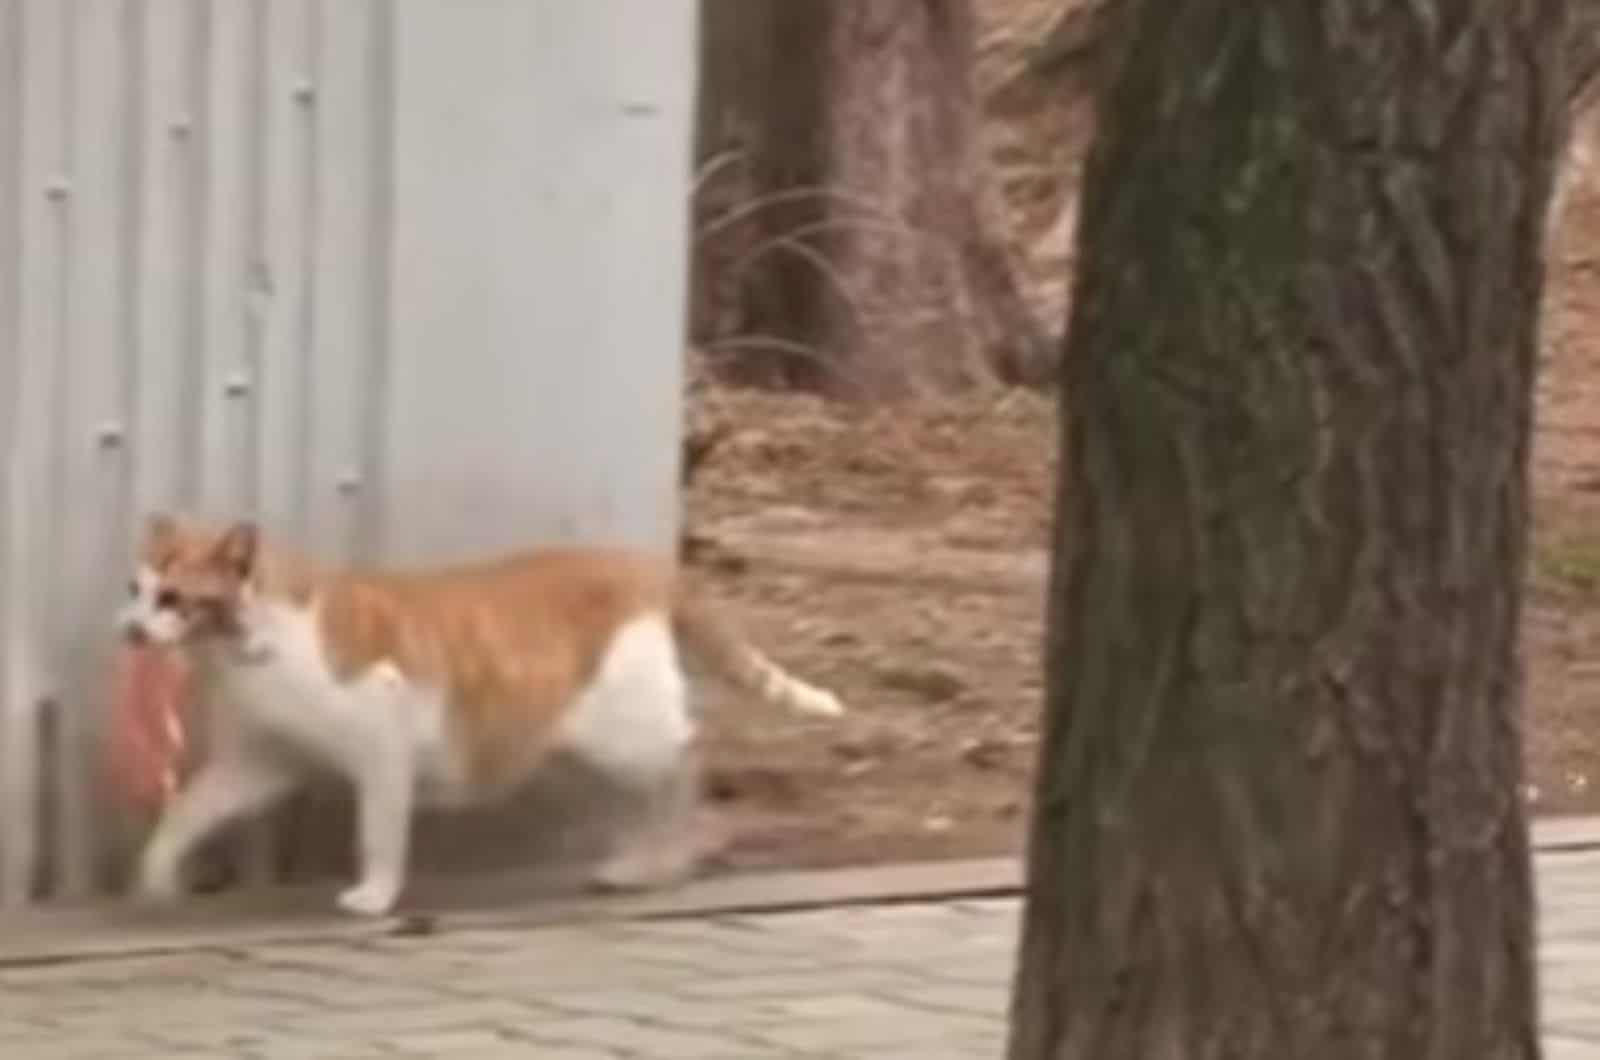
705	636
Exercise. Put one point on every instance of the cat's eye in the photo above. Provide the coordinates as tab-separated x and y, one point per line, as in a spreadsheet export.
168	600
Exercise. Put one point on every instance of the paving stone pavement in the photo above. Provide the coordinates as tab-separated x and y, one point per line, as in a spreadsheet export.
927	980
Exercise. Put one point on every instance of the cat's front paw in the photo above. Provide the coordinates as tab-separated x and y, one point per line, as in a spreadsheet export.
370	898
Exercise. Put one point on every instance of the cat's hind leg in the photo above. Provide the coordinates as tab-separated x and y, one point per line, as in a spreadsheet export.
633	725
660	843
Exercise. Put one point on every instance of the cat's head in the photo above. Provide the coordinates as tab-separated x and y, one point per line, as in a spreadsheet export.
190	583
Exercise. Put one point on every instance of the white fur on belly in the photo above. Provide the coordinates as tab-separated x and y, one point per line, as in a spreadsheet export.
633	720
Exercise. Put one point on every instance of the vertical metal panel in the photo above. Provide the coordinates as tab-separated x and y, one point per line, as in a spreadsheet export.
159	196
541	178
32	517
300	326
287	97
18	678
350	134
402	278
367	488
229	266
90	454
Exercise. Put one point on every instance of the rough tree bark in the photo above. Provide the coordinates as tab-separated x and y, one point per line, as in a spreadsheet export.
873	260
1073	48
1072	43
1278	807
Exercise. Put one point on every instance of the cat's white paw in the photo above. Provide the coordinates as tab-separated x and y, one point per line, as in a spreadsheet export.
818	702
370	898
158	882
645	869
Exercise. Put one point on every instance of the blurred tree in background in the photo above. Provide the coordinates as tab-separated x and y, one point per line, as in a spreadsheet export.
850	236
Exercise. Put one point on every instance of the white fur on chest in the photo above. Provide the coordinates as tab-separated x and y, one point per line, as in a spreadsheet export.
282	685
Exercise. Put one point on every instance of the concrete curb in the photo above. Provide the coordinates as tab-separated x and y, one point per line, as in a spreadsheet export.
522	900
473	903
1553	835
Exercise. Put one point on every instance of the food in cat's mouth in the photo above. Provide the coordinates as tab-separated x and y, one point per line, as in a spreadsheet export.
148	740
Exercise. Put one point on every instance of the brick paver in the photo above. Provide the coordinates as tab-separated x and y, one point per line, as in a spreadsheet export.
833	984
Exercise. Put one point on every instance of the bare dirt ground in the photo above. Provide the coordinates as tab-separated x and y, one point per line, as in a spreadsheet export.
1562	626
898	556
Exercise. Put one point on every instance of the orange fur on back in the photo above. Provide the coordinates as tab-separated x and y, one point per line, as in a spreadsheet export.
510	643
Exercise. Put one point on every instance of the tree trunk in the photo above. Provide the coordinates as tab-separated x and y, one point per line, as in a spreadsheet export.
1278	809
869	257
761	113
1073	43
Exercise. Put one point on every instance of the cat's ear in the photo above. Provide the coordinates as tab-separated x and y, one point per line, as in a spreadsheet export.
160	529
161	535
236	550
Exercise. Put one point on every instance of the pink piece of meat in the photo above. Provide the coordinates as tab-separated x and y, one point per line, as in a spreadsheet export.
149	733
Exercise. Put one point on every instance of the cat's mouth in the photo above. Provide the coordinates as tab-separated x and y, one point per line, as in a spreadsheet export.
219	629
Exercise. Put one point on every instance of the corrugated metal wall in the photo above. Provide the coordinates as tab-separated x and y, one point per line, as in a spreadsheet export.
402	277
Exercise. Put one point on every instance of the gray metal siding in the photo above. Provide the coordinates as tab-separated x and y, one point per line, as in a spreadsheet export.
404	278
587	107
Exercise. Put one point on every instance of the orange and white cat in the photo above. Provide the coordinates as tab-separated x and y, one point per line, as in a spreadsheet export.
443	687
